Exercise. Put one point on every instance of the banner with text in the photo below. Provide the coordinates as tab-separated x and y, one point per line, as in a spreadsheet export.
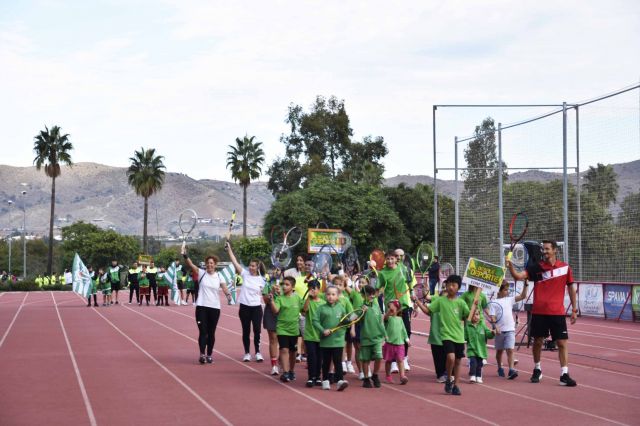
590	300
615	297
636	298
319	237
483	274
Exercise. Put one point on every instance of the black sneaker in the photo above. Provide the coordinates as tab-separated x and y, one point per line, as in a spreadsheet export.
513	374
565	380
202	359
455	391
317	382
209	359
448	386
376	380
536	376
89	305
366	383
309	383
292	376
285	378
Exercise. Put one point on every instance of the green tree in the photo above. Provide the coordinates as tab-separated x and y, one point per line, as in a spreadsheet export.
245	162
629	216
601	181
363	161
361	210
250	248
96	246
52	148
481	176
146	176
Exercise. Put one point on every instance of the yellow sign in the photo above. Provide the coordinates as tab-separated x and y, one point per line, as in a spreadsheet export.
483	274
145	259
320	237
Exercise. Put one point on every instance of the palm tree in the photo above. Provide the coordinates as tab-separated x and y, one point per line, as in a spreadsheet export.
146	176
245	162
602	182
51	149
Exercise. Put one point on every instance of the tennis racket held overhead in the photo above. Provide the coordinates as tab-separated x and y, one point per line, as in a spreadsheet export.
233	218
517	230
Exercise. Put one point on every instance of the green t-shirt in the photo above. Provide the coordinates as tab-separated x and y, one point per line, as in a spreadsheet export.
372	329
356	299
189	284
328	316
143	282
344	300
164	281
288	314
396	333
310	332
468	296
434	327
476	337
452	313
394	285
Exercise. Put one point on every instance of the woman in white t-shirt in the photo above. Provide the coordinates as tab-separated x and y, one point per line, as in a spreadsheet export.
207	288
250	301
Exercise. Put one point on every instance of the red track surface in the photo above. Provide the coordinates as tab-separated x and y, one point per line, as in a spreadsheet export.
138	365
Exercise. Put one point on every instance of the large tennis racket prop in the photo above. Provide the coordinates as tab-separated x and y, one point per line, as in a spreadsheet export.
323	261
517	230
283	242
422	261
187	222
348	320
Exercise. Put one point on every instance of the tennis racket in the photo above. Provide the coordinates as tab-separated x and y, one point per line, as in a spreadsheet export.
277	235
322	262
293	237
187	222
446	269
377	256
517	230
233	218
350	260
348	320
424	256
281	256
520	257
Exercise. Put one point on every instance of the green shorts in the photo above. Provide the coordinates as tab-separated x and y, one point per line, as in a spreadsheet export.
106	292
371	352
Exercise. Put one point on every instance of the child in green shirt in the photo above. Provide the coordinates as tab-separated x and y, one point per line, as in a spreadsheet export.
311	334
372	335
287	306
143	284
331	342
396	338
476	334
452	312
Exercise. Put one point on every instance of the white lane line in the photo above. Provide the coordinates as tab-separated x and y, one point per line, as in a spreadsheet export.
83	390
335	410
6	333
386	387
615	337
166	370
542	401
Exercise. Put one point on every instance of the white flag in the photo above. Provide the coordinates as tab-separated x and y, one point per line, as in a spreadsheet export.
81	277
229	276
172	273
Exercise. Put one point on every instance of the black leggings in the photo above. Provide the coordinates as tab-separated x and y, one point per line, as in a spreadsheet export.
134	287
406	319
207	320
331	355
250	315
439	359
314	359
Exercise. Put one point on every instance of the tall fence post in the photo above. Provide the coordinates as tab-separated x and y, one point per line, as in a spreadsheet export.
578	190
500	206
435	191
457	214
565	183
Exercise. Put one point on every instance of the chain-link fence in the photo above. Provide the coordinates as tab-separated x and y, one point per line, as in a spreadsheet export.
574	169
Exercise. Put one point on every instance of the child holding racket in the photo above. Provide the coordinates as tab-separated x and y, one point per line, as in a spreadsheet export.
476	334
396	339
269	319
372	334
287	306
326	321
311	334
345	298
500	311
452	312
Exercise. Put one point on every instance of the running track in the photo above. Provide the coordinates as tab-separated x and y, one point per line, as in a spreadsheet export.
64	363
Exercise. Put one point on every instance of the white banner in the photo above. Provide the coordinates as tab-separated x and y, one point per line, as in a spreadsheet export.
590	300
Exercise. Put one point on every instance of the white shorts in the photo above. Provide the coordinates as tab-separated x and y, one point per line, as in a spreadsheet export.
506	340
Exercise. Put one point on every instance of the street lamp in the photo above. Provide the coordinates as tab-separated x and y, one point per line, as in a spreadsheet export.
10	235
24	239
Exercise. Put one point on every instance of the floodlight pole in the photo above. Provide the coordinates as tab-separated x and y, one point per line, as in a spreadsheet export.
457	219
565	183
10	237
435	192
578	189
500	207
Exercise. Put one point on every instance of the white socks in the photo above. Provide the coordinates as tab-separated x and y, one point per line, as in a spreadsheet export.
565	370
538	366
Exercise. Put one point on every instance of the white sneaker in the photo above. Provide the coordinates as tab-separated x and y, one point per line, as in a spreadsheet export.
361	376
246	358
350	368
259	357
442	378
344	366
275	371
394	367
326	385
299	358
479	379
342	385
194	303
407	367
472	379
484	362
185	304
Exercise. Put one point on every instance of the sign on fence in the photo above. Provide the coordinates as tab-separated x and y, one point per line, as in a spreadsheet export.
483	274
590	300
615	297
636	298
317	238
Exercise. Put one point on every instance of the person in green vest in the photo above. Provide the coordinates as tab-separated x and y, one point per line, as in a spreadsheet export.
164	282
145	289
61	278
133	278
45	281
105	282
113	277
53	280
152	272
94	287
38	280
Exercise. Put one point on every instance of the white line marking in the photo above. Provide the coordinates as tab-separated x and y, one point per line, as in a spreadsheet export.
169	372
83	390
6	333
541	401
605	336
335	410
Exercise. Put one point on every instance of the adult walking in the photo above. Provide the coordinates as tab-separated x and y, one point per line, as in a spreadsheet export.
550	277
250	311
434	275
208	287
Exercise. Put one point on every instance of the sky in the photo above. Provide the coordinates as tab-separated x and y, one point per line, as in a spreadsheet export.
187	77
